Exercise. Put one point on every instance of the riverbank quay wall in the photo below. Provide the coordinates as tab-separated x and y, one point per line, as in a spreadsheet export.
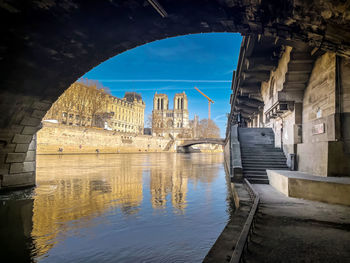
303	94
61	139
228	247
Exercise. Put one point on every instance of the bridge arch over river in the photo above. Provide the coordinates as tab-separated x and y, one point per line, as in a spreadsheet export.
47	45
190	142
184	146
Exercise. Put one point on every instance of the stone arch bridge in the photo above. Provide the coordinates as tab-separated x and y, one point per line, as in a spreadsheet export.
47	45
190	142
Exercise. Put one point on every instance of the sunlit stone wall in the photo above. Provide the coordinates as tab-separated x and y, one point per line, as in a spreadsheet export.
54	139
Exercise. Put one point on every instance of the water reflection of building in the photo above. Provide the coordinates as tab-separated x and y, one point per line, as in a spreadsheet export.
179	190
173	172
77	195
168	178
74	189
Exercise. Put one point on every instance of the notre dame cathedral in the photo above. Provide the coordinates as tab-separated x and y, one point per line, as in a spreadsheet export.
170	122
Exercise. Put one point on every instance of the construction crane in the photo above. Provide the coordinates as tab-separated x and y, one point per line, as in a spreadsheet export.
209	101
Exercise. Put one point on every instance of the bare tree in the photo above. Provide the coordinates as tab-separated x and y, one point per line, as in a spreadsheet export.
149	120
53	112
208	129
66	102
84	98
97	99
81	102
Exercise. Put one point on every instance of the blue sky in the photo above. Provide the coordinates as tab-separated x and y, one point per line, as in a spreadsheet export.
175	65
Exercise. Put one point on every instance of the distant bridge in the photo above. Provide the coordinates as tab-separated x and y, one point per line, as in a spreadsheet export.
190	142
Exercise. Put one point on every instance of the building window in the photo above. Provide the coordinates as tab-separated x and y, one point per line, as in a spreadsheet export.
77	117
64	114
71	115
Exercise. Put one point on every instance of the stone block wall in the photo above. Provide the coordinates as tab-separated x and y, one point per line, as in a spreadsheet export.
18	140
277	78
319	96
323	153
318	109
80	140
345	103
317	127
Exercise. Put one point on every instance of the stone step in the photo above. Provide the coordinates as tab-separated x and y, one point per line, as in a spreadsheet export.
258	181
263	139
256	140
253	169
262	152
256	137
247	173
249	168
257	176
255	173
263	156
258	148
265	166
264	161
255	129
253	146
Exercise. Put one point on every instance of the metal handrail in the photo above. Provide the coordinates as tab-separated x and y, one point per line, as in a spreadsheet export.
247	230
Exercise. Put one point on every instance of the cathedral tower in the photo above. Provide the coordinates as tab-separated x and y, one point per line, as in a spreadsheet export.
181	111
170	122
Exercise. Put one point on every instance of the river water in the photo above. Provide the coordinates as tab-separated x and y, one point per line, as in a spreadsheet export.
156	207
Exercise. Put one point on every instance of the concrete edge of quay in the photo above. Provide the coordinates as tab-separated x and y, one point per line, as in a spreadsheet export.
242	198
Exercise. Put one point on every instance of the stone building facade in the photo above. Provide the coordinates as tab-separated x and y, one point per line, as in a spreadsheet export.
170	122
127	114
303	94
78	107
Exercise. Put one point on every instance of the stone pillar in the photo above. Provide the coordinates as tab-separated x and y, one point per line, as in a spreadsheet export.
18	162
18	147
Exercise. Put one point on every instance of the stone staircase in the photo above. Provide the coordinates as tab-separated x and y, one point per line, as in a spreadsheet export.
258	153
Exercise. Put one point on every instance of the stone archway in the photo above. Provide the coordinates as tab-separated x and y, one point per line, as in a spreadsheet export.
47	45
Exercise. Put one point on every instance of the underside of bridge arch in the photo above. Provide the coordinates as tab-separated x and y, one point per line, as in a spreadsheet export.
46	45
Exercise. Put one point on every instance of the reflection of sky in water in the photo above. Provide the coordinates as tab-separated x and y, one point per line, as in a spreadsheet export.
128	207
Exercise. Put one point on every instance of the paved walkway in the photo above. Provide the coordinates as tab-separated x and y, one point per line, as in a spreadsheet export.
296	230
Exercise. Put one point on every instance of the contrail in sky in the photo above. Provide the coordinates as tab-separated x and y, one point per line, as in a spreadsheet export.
167	80
166	88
